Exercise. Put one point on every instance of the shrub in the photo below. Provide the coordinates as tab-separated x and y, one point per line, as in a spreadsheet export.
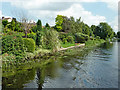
32	35
50	40
39	35
94	42
29	44
97	37
66	37
81	38
70	39
62	36
13	44
64	40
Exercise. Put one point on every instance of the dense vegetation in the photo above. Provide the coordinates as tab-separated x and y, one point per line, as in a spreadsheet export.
21	38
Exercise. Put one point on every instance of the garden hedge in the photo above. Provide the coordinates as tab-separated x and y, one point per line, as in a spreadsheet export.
13	44
29	44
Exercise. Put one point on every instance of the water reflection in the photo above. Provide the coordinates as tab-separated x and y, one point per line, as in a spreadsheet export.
78	68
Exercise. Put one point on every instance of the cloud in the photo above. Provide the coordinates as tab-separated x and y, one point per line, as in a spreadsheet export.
0	13
34	4
76	10
112	4
47	10
114	24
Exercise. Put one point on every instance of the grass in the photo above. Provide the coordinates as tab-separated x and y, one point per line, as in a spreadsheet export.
67	45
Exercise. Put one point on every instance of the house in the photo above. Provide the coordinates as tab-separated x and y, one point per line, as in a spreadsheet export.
8	19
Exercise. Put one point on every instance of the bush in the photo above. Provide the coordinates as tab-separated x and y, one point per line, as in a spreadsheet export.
65	37
94	42
50	40
32	35
70	39
29	44
81	38
13	44
39	35
64	40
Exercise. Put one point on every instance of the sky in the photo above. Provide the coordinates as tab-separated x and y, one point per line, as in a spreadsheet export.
92	12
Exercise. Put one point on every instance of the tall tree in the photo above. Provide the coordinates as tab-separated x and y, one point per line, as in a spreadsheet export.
59	22
13	25
104	31
47	26
86	29
39	25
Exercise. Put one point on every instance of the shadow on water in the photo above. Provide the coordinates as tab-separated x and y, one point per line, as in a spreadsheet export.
69	69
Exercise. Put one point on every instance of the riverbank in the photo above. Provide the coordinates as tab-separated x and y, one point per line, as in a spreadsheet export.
9	60
79	45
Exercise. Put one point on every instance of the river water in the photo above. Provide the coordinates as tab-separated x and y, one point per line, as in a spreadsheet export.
90	68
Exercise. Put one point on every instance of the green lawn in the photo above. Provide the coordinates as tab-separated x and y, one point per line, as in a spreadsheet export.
67	45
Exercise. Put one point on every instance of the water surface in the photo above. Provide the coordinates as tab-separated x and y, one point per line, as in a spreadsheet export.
89	68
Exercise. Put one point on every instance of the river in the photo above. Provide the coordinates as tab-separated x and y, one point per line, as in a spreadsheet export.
90	68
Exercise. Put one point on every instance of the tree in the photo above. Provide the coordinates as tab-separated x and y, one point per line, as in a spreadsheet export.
103	30
78	25
59	22
66	25
39	25
13	25
86	29
47	26
93	27
38	32
72	21
118	34
4	22
24	20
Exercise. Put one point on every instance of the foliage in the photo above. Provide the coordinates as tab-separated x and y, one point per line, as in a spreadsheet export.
4	22
103	30
66	37
29	44
39	25
32	35
34	29
39	35
70	39
67	45
50	40
94	42
118	34
86	29
13	25
13	44
6	57
81	38
47	26
59	21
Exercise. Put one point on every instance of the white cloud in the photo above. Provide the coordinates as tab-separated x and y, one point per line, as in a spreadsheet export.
113	4
77	11
114	24
0	13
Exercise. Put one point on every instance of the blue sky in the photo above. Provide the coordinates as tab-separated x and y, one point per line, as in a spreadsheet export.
90	12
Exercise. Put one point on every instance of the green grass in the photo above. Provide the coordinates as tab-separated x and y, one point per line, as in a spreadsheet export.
67	45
